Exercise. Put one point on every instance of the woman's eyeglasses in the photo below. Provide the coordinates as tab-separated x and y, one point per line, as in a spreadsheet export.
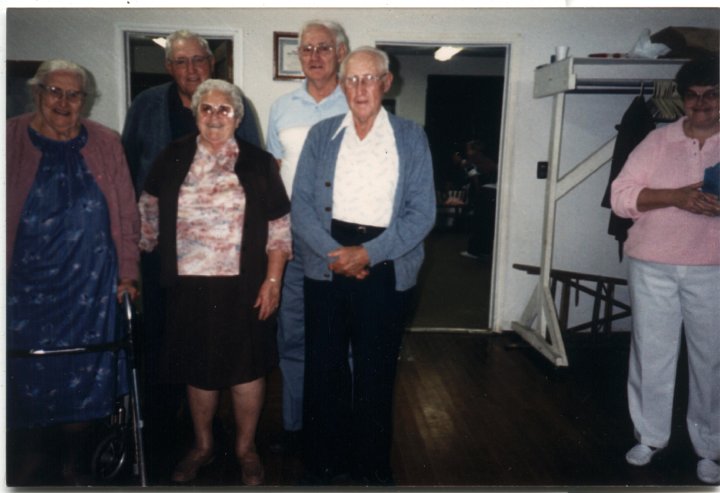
57	94
711	96
222	110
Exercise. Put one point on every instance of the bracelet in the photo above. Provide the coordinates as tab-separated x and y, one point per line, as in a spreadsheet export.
272	279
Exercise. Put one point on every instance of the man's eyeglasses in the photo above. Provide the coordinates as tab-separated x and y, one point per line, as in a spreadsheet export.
57	93
322	49
186	62
711	96
363	80
222	110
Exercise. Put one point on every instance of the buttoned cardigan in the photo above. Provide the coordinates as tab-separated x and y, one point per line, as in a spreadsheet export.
413	209
104	158
266	200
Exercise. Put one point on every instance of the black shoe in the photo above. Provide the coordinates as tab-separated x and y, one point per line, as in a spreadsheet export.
288	442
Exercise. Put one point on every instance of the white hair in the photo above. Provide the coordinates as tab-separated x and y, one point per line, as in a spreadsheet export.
184	34
58	65
382	61
335	29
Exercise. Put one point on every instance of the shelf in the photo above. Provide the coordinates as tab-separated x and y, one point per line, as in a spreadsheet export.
602	75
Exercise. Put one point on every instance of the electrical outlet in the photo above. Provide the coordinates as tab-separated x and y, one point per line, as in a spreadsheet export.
542	169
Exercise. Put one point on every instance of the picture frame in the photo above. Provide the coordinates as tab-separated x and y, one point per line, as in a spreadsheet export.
286	64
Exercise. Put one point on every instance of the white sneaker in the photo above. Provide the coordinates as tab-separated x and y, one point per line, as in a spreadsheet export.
640	455
708	471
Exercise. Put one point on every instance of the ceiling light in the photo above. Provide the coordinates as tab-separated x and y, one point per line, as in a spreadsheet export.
445	53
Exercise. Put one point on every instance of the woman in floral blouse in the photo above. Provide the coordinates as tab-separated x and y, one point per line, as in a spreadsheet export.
216	209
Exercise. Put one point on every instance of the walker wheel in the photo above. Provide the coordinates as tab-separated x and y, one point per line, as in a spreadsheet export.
109	456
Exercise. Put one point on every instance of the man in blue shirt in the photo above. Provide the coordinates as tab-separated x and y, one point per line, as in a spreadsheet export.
322	46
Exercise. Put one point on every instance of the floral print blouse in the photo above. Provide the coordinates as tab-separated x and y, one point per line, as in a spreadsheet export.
211	213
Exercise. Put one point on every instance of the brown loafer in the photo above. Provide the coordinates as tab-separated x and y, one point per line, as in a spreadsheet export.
187	469
253	473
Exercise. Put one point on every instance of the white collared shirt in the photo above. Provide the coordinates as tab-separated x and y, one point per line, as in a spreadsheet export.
366	174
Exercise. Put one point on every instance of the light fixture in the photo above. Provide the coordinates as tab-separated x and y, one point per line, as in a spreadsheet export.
160	41
445	53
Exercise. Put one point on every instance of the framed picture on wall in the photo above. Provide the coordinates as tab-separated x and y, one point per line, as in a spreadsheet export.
286	63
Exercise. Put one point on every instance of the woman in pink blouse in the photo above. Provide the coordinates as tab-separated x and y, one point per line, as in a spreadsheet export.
673	250
216	209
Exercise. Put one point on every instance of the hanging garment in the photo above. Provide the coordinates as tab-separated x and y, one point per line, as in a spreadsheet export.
636	124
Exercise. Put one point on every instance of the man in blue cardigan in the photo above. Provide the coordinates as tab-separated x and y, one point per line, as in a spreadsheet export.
363	202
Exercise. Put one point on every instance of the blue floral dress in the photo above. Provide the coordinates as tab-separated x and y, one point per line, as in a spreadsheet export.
61	294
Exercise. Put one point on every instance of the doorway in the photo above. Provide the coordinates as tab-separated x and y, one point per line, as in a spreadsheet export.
456	101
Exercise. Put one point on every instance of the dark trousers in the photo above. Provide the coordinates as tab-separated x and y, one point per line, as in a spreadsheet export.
482	223
348	415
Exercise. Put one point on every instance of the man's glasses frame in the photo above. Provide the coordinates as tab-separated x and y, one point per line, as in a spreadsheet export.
183	63
363	80
322	49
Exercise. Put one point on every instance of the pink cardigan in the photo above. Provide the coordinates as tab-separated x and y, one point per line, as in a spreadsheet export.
667	158
105	159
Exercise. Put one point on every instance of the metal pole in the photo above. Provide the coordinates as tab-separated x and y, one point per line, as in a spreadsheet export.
138	424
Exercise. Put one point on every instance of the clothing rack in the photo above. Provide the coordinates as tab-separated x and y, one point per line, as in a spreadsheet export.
539	324
602	75
614	87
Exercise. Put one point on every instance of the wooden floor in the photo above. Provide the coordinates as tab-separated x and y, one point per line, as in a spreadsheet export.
483	411
452	291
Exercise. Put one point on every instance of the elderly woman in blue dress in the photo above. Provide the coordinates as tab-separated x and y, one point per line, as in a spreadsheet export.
72	233
217	210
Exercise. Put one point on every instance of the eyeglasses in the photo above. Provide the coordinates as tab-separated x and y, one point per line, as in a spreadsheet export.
57	93
322	49
222	110
183	63
710	96
369	80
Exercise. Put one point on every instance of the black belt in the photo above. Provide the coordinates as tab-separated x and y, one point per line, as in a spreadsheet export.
357	228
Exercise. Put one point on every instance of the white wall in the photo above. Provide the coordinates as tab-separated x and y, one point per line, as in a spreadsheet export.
90	37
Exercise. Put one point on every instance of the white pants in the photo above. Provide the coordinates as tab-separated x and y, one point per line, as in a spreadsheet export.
663	298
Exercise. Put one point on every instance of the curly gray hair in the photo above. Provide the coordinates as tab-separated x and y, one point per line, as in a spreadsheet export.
219	85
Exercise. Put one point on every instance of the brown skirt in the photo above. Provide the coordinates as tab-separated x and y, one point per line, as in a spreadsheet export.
213	338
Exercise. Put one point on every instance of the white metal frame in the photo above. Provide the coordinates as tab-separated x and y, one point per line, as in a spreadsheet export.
539	324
